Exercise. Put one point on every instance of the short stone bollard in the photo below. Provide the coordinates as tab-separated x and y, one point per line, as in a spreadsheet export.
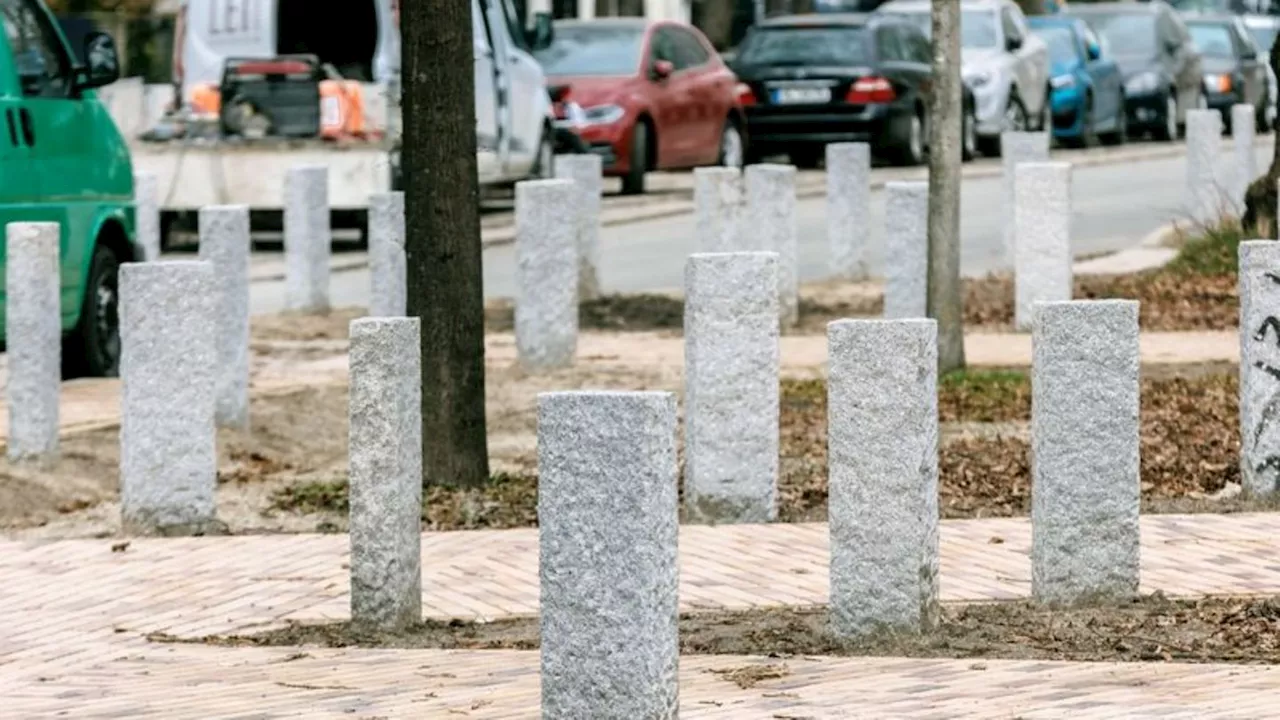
848	208
33	331
1204	140
1259	278
771	226
307	239
168	457
1042	244
587	172
1017	148
731	387
225	242
546	315
146	201
906	239
608	566
385	449
718	200
388	292
1084	459
882	449
1244	139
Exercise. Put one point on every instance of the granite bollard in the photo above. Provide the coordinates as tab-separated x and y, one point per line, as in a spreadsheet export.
168	456
1017	148
731	387
1259	279
385	449
307	239
1244	139
226	244
848	208
146	201
1204	140
1084	469
719	200
546	314
587	173
33	332
1042	237
906	240
608	567
771	227
388	296
882	449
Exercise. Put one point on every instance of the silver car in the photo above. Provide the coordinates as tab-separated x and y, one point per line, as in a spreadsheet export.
1005	65
1264	29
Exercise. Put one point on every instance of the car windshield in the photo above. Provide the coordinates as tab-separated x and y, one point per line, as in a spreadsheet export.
804	45
1211	39
1264	36
1129	34
1061	42
977	27
593	50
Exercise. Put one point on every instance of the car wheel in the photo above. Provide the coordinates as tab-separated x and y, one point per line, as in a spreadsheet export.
911	150
732	148
93	348
968	136
1169	129
544	166
633	181
807	158
1120	135
1046	112
1088	135
1260	116
1015	114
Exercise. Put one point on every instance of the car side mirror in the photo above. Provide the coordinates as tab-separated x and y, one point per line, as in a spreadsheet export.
1172	47
543	33
1012	43
1094	51
661	70
1248	54
101	62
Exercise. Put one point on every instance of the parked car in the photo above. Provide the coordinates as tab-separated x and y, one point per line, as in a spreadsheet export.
644	96
1003	63
1088	91
1233	71
809	80
1161	67
1264	29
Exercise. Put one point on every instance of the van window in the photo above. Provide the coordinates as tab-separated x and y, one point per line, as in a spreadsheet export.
38	56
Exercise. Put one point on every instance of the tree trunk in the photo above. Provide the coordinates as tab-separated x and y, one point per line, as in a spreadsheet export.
1031	7
716	21
442	237
945	303
1259	219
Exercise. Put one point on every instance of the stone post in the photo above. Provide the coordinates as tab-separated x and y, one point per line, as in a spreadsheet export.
882	449
731	387
307	239
1204	140
1017	148
608	532
848	208
33	334
546	274
1042	245
225	242
906	239
168	456
586	171
146	200
1259	278
771	226
385	449
1243	134
718	199
388	296
1084	460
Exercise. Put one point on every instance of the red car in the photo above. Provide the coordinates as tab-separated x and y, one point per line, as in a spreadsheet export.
644	95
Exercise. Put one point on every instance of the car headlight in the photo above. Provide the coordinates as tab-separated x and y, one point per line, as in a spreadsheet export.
1063	81
1144	82
577	116
1215	83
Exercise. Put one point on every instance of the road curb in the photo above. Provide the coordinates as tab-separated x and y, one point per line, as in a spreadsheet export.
337	266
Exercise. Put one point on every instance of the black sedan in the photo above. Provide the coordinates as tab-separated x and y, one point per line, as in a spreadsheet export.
809	80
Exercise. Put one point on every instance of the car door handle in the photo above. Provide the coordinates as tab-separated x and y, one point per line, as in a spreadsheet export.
28	127
13	128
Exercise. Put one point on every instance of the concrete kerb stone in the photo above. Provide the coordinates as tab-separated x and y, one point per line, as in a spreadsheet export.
226	244
1042	237
771	225
146	201
608	526
848	208
1204	192
906	249
587	173
1085	451
731	387
546	312
719	201
385	448
1259	278
33	329
1244	139
307	239
388	291
1017	148
882	449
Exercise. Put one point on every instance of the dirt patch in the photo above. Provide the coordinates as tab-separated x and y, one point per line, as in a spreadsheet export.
1147	629
302	327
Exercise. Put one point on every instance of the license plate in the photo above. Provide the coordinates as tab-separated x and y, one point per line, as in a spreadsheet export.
802	96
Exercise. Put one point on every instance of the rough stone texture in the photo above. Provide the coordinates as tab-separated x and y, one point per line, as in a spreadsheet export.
1204	190
307	239
718	199
546	274
1244	136
587	172
906	239
849	208
1017	148
388	292
1042	237
882	447
771	227
33	330
385	448
225	242
731	387
146	200
1084	429
1259	277
608	526
168	459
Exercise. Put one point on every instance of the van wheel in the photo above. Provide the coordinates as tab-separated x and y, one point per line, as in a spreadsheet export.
544	164
93	348
633	181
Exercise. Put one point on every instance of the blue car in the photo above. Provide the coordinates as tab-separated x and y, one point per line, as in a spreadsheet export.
1088	90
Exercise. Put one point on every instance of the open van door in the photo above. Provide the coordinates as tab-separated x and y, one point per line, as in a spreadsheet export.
488	133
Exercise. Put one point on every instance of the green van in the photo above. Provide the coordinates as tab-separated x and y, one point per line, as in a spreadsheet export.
63	160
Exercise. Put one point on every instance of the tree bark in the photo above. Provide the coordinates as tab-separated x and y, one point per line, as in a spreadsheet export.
1259	219
1031	7
716	21
945	304
442	237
